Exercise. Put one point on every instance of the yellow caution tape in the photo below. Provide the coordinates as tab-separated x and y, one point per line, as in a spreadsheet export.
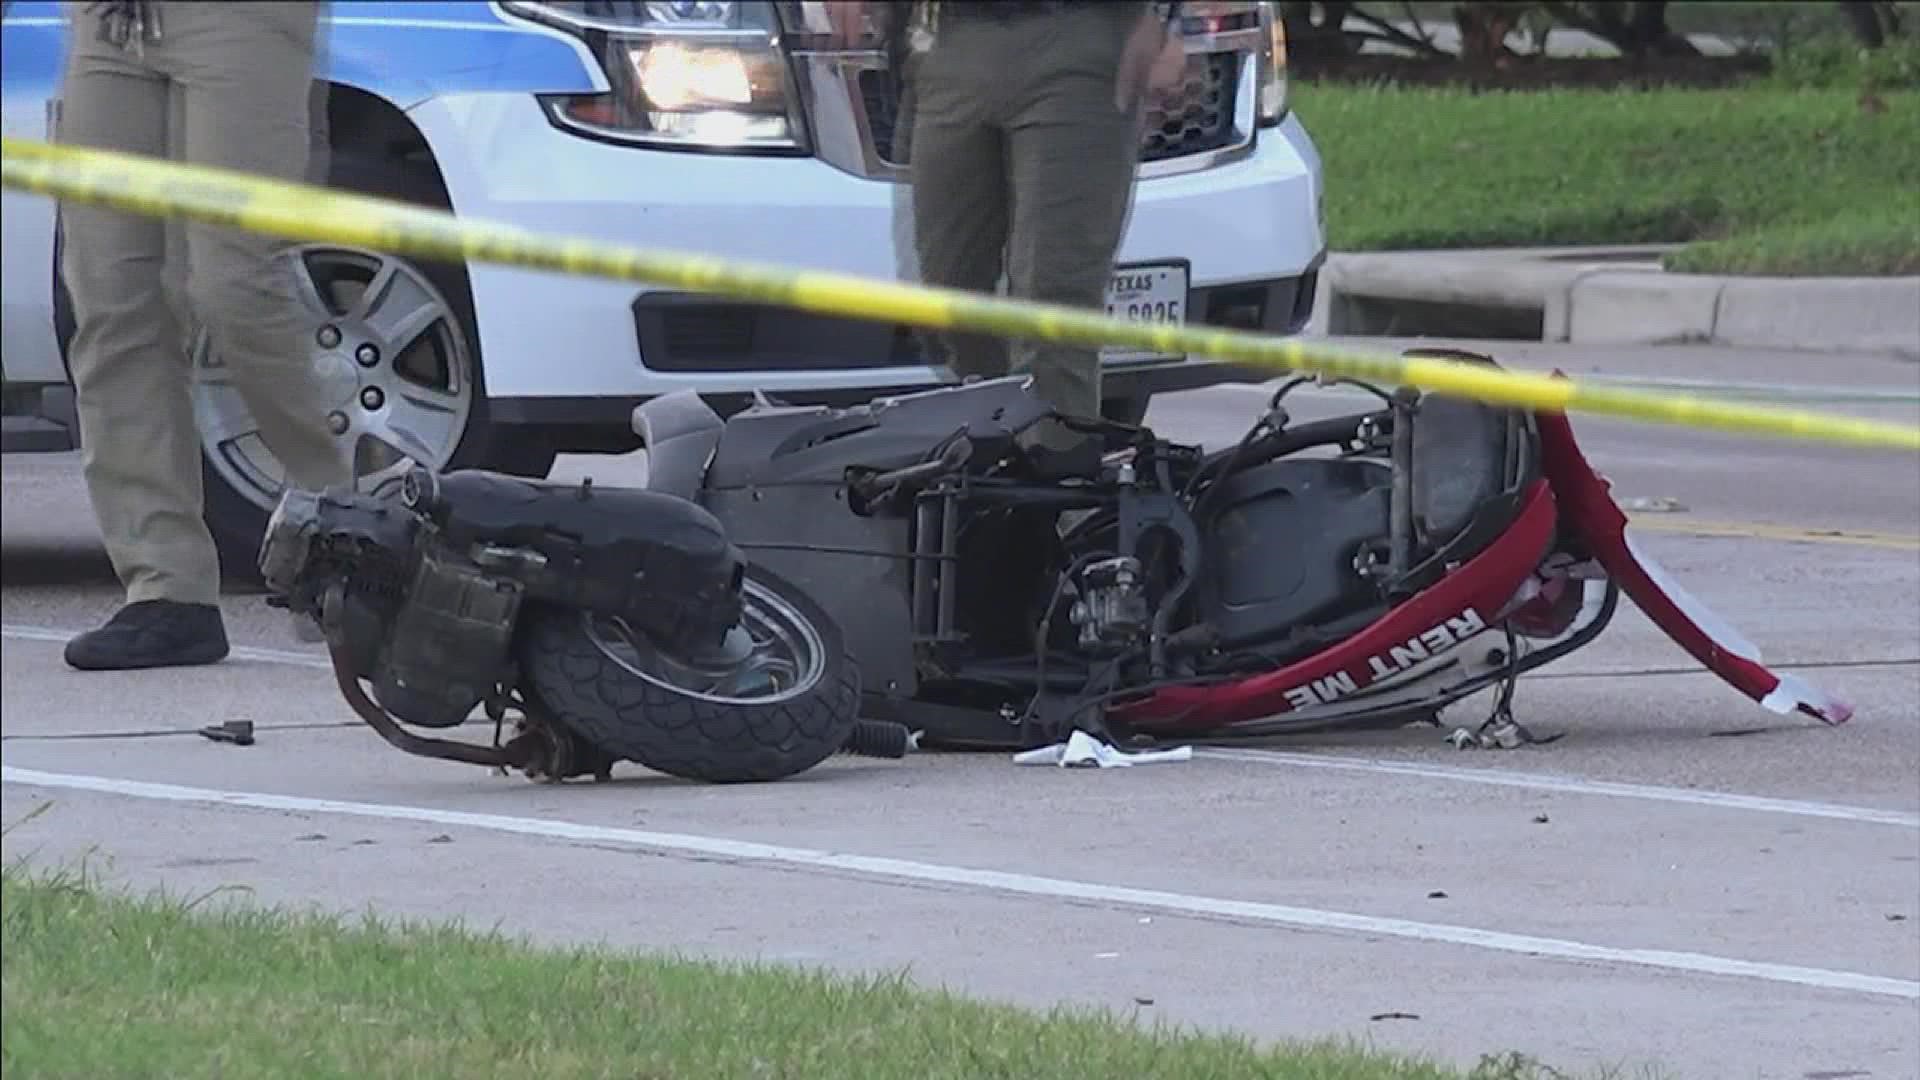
306	213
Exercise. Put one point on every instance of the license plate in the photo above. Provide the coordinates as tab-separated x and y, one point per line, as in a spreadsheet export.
1152	293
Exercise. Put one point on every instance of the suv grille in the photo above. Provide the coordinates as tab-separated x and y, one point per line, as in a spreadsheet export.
1198	118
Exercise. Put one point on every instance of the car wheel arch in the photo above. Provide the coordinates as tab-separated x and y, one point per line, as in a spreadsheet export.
370	146
354	121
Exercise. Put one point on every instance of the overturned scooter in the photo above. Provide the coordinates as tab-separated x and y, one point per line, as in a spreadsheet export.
1366	569
607	625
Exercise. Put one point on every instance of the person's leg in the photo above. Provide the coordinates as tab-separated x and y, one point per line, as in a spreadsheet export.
246	72
140	456
906	261
1073	156
959	182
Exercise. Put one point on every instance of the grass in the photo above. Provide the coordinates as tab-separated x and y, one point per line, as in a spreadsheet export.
1790	181
101	986
1874	241
1838	63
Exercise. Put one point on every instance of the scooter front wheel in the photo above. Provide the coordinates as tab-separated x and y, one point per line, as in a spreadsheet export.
779	698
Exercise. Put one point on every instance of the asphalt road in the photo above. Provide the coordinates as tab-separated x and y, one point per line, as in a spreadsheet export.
1684	880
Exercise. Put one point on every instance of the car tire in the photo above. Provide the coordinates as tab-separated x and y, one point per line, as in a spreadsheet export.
236	521
237	518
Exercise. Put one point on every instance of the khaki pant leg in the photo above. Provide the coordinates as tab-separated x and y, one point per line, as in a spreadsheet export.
1073	158
245	73
140	451
959	170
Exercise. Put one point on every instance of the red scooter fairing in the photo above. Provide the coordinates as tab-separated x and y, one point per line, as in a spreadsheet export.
1480	592
1460	606
1587	509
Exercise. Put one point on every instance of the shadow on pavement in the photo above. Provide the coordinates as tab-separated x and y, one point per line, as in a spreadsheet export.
43	565
40	564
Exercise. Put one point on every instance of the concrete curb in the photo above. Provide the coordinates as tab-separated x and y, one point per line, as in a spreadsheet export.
1613	296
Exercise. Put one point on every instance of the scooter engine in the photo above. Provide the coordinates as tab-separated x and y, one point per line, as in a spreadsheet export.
428	627
419	594
1112	612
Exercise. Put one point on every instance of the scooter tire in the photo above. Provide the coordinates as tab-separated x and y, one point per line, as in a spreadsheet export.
568	673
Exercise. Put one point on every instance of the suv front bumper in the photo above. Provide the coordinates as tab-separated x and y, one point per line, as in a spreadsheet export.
603	424
574	355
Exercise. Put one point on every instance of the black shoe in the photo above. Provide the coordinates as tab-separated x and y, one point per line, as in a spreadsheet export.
151	634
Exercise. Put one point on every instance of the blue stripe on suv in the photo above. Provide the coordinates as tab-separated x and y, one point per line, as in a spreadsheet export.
402	52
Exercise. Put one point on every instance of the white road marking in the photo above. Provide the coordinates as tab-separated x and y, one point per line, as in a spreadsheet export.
1531	781
1572	785
1778	393
1311	919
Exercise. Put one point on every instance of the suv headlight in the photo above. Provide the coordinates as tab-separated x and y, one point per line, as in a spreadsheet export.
707	74
1273	66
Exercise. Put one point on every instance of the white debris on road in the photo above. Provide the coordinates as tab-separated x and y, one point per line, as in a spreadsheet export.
1083	751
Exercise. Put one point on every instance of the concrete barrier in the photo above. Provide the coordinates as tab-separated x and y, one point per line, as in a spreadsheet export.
1611	296
1865	314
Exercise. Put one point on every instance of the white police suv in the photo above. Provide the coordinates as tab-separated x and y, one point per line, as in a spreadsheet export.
727	128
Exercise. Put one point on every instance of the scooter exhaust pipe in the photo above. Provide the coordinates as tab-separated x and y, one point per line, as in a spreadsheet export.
878	739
